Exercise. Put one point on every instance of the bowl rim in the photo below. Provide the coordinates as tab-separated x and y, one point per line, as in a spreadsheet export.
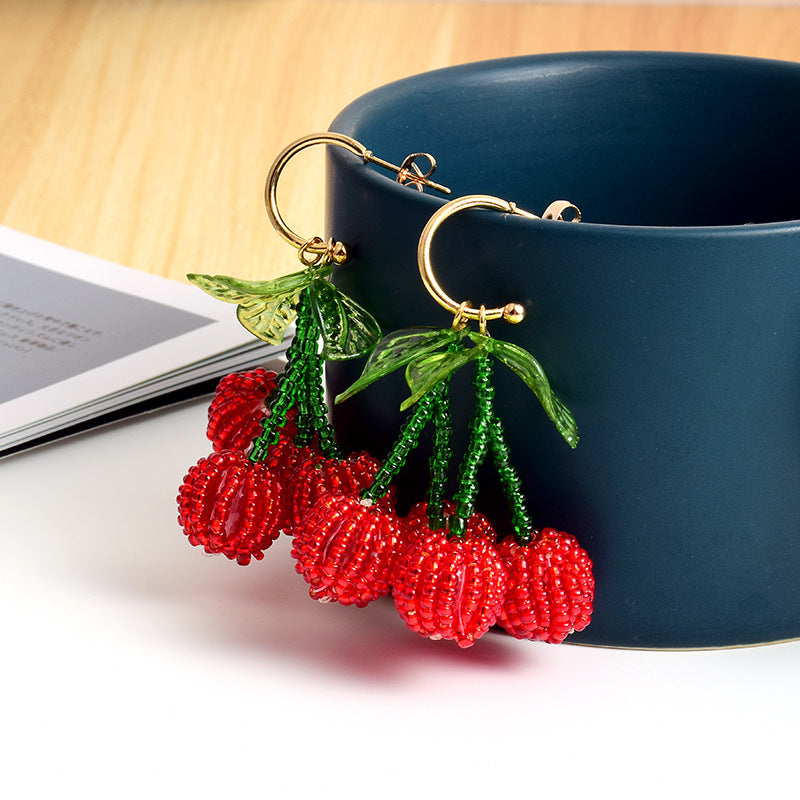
347	121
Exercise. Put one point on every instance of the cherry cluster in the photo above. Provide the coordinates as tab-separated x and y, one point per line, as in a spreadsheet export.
236	506
349	543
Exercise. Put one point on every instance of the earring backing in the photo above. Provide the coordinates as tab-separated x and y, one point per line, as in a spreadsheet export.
314	249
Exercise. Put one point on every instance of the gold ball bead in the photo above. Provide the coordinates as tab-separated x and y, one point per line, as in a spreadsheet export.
340	254
513	313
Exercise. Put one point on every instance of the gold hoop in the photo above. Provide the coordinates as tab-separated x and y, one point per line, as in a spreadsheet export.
408	172
511	312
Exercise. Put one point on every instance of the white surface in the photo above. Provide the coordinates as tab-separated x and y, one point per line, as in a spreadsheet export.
134	666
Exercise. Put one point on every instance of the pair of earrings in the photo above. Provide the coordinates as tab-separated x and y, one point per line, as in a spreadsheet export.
276	465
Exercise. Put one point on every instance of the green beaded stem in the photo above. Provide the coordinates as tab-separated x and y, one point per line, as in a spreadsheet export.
320	427
300	384
306	334
405	443
511	483
477	447
439	463
281	399
305	429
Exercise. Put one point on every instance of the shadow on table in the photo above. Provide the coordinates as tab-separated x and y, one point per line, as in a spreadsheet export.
264	610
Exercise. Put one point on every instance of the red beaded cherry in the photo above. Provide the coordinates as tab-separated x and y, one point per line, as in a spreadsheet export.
238	408
449	587
551	587
284	457
415	525
343	547
230	505
416	521
317	476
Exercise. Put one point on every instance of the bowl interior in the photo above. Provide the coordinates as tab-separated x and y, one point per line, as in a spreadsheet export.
641	139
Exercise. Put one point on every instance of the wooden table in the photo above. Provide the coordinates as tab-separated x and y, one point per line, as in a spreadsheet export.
141	131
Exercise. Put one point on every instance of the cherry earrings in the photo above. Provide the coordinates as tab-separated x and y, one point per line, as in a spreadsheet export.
450	576
277	466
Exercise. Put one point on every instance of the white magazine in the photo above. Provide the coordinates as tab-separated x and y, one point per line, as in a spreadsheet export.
83	339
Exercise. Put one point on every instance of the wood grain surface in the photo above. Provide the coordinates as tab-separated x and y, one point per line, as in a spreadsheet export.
141	131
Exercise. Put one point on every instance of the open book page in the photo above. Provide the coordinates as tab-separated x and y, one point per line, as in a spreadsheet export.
80	337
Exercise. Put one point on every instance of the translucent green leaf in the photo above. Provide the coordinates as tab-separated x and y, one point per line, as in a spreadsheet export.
529	369
481	339
267	319
347	329
396	350
234	290
266	308
424	373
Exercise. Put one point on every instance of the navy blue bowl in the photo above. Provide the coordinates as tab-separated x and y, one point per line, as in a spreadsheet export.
668	320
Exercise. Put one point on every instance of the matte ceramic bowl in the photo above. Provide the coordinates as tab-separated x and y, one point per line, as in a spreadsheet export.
668	320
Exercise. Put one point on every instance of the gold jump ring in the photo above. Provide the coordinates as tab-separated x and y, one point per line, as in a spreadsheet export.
459	321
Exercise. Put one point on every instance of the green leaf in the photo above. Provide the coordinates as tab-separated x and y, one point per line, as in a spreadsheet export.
235	290
529	369
481	339
398	349
269	319
266	308
424	373
348	330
